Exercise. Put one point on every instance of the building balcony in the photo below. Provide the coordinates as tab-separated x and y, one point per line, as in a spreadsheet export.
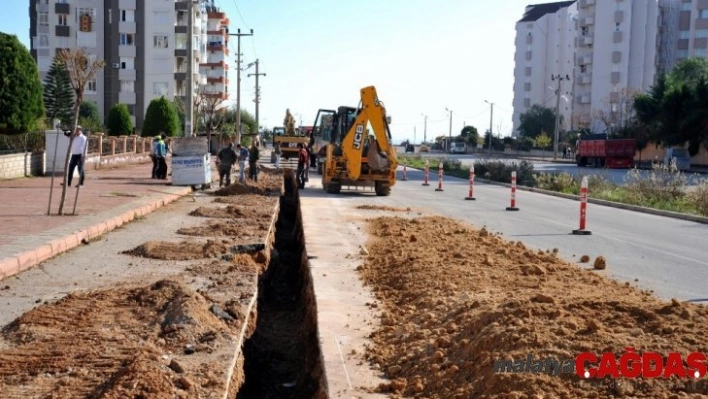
584	99
217	64
216	32
586	41
585	79
217	79
216	15
584	60
587	21
126	97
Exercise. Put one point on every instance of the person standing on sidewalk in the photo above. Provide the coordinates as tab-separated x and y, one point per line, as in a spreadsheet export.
79	148
161	153
153	155
225	160
253	157
242	158
302	160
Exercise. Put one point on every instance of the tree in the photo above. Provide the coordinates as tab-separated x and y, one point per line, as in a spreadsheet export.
470	134
211	106
20	87
58	96
542	141
82	68
249	124
89	117
119	122
536	120
161	116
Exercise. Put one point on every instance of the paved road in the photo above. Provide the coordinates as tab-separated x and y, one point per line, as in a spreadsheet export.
616	176
666	255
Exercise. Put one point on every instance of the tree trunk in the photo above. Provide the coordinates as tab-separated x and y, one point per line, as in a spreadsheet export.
68	157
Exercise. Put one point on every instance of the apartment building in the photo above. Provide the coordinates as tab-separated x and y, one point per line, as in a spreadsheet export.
144	44
214	64
617	55
545	48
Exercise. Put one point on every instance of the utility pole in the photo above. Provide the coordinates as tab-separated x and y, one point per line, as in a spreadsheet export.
449	140
556	132
258	97
491	121
238	79
414	135
189	117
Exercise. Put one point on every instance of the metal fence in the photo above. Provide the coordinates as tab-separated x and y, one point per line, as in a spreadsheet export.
109	145
27	142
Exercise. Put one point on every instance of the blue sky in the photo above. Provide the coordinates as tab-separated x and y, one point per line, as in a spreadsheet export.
422	56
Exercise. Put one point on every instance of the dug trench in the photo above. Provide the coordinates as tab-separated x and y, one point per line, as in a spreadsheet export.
283	358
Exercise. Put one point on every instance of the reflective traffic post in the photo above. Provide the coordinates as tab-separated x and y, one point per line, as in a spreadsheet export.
583	208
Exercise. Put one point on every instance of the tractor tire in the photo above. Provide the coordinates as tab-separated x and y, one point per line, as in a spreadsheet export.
382	189
333	188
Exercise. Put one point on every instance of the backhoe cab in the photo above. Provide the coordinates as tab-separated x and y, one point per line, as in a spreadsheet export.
348	153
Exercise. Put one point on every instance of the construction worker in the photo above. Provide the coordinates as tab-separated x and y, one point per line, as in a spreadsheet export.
225	160
161	153
253	156
302	161
242	158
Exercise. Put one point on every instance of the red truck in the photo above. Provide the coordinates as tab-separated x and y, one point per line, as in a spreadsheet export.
600	151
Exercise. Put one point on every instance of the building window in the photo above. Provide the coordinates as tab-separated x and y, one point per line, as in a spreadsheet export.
703	14
686	6
62	41
43	41
127	86
43	18
127	63
161	18
63	1
701	33
90	86
127	15
617	26
159	88
685	34
127	39
91	12
160	41
584	30
583	68
62	19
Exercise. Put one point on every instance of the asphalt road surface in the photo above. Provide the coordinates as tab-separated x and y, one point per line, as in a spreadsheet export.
669	256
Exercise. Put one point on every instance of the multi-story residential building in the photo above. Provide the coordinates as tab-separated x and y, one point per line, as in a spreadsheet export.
617	55
691	39
214	65
545	48
144	44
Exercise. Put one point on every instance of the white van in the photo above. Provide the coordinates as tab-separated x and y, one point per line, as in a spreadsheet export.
458	148
680	156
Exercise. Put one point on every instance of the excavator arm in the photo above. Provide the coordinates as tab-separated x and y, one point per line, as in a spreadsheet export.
372	112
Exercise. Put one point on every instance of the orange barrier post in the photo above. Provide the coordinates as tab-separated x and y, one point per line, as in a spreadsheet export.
440	177
513	193
405	175
470	196
426	173
583	208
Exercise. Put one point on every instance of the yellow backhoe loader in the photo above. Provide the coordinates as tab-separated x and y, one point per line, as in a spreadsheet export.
349	155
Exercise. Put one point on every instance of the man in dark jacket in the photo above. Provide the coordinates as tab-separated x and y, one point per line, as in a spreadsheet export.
253	156
226	159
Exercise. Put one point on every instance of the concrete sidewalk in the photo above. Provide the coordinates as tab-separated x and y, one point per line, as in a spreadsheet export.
108	199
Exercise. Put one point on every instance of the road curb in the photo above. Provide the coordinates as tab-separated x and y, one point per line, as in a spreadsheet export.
25	260
611	204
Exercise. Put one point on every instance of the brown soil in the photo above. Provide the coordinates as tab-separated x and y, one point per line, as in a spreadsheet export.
122	343
234	211
383	208
466	298
270	182
185	250
242	230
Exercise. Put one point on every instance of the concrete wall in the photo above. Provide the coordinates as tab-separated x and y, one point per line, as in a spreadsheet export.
21	165
653	153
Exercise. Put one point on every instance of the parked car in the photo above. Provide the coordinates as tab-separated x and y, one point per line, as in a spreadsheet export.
680	156
458	148
410	148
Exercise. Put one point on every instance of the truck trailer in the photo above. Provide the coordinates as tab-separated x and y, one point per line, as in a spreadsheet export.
600	151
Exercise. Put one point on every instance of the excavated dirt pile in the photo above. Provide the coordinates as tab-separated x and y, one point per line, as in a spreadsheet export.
270	182
118	343
456	299
185	250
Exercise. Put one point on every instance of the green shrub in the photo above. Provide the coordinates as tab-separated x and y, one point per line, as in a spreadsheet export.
119	122
501	171
661	184
698	197
559	182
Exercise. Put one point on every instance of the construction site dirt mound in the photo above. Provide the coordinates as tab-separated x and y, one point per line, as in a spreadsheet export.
383	208
237	229
131	342
234	211
270	182
184	250
455	299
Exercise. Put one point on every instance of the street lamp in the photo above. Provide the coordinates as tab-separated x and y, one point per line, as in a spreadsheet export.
425	128
491	119
449	144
